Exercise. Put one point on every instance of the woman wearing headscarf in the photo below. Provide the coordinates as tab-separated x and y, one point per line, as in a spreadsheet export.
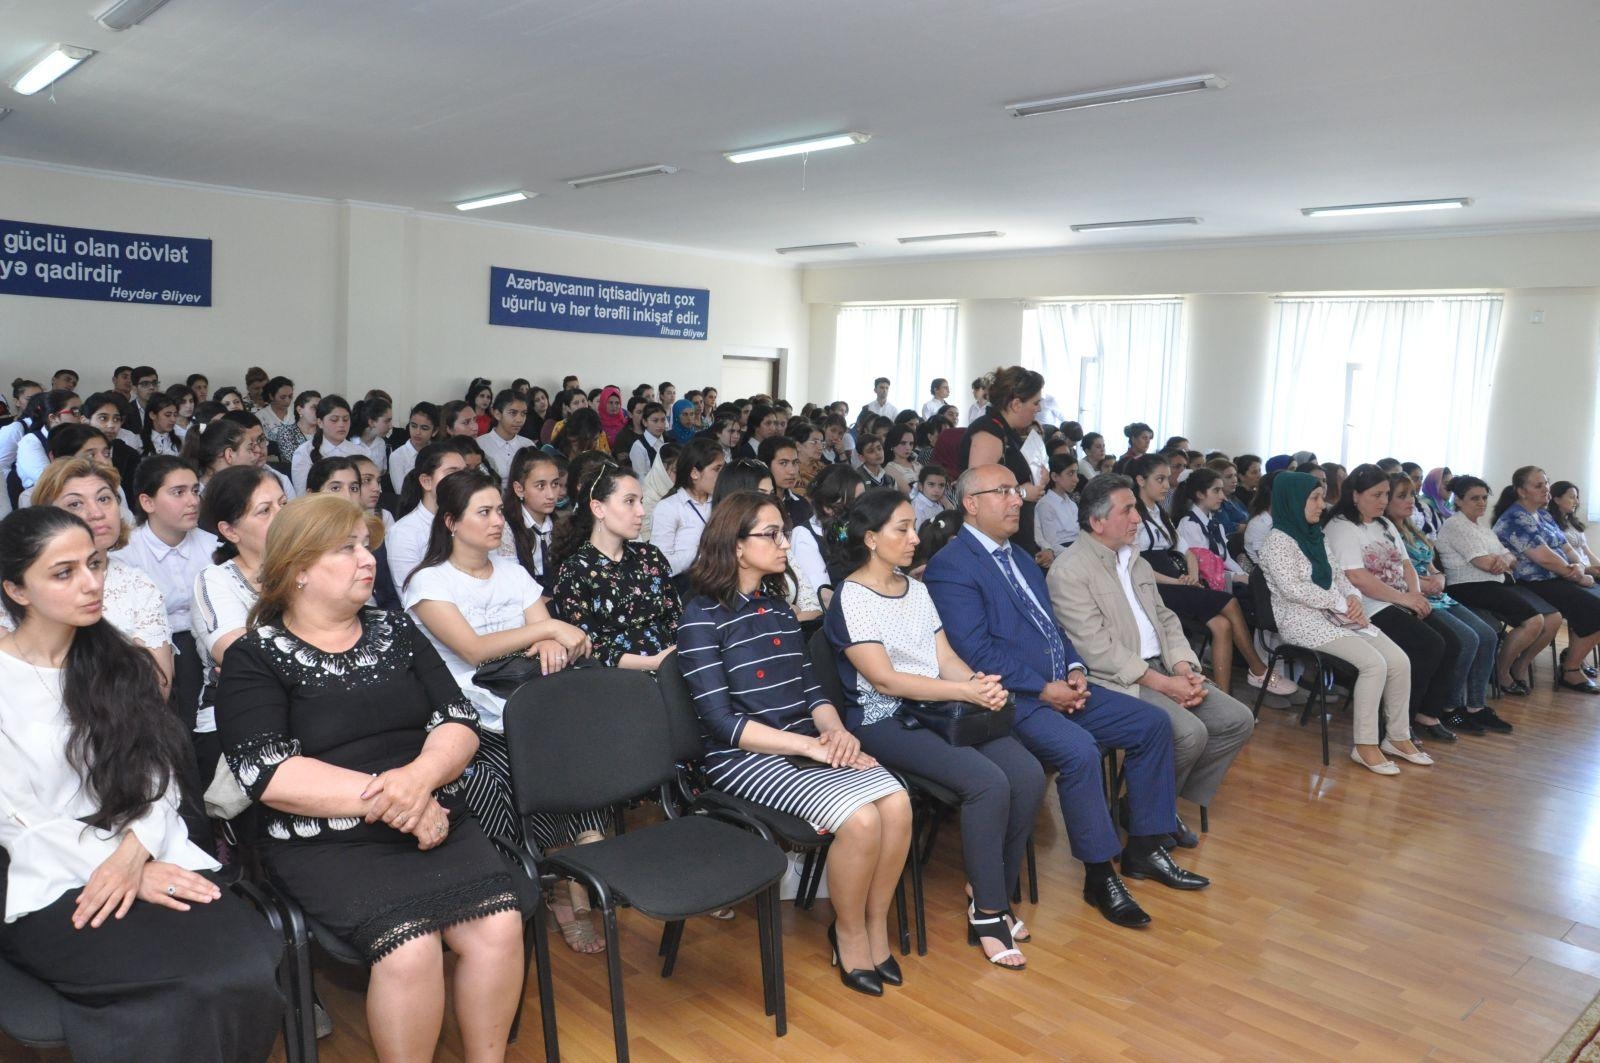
1433	503
1280	463
612	417
685	421
1315	606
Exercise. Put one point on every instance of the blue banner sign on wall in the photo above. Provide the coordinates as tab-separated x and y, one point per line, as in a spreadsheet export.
60	262
584	304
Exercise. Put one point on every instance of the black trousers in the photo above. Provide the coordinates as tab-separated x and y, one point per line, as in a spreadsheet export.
1000	784
1432	652
158	985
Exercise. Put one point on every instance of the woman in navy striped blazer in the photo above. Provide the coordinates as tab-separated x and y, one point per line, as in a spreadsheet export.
772	737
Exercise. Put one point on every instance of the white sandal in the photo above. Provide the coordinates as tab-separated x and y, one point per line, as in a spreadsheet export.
1419	757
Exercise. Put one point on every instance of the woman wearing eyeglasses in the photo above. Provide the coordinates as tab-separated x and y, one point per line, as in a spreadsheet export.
772	736
45	411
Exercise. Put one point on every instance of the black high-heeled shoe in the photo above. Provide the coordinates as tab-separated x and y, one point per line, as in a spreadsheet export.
868	981
889	972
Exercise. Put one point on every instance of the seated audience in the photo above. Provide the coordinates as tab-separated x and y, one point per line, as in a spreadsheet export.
902	465
995	438
891	650
407	541
279	393
171	548
104	897
504	438
931	497
291	435
992	600
536	485
1565	502
617	590
872	470
1139	436
477	399
762	711
1474	665
459	418
331	440
1316	606
1476	569
1055	518
370	835
217	445
103	410
683	420
1368	548
1178	582
680	517
159	434
1105	598
808	438
781	455
608	407
240	505
1546	565
420	429
1233	514
642	453
45	411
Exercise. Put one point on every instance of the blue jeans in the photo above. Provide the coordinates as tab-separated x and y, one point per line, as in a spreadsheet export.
1473	667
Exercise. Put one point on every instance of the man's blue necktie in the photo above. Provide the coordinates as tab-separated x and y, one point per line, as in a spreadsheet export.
1036	613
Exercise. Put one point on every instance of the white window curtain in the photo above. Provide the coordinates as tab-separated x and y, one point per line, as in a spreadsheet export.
911	345
1358	379
1107	364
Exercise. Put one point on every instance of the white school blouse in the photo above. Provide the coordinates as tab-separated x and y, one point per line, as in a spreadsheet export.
300	464
43	800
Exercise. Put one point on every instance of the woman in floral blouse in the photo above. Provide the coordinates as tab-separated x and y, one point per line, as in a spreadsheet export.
617	590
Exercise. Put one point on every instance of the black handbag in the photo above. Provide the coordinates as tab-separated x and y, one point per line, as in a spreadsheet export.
504	674
961	723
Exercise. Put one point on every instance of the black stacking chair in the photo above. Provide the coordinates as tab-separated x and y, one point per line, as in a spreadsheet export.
1320	668
595	737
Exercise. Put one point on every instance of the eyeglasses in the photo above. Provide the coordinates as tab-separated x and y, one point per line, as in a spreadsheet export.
772	535
1005	491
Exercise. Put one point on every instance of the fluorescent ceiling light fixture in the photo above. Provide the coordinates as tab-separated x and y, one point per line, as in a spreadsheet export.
797	147
494	201
1141	223
125	13
61	60
986	235
802	248
621	175
1150	90
1397	207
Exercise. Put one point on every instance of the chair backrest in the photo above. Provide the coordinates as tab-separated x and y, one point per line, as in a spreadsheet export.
587	738
826	668
1262	594
682	721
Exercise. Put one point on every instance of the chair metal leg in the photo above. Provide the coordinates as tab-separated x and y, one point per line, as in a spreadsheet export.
1205	820
919	909
816	877
547	992
1033	873
764	938
527	965
900	915
807	869
1322	716
671	935
619	1017
304	1004
781	1006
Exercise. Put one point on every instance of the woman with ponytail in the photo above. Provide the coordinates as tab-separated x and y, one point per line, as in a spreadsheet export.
331	440
407	540
217	445
158	434
370	422
44	411
105	896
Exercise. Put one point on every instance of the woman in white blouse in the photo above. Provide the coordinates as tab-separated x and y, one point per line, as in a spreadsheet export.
239	503
1316	606
1476	568
90	491
331	440
681	516
104	899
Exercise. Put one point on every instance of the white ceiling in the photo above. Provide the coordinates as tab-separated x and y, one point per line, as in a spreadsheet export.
421	103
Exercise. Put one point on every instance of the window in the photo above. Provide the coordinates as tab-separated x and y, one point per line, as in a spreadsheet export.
1109	363
1357	379
911	345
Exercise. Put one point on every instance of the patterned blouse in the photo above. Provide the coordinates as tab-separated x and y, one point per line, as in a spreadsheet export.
1421	555
1306	614
626	606
367	709
1521	531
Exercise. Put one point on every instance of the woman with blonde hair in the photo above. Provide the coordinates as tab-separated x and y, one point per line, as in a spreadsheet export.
344	724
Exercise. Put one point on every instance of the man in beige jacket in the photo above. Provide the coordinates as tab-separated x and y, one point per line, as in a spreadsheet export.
1104	594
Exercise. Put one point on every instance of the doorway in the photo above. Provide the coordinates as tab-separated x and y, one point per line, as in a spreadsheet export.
750	371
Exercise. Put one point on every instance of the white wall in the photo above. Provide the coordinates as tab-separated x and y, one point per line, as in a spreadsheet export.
1542	405
353	296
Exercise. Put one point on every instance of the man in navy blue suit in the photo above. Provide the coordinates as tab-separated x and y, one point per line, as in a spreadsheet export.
996	613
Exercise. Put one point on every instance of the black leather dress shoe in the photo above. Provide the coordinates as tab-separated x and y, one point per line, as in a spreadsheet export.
1489	720
1462	723
1111	896
1436	731
1160	867
1184	837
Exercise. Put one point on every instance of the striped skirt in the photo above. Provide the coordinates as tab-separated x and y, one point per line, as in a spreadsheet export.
822	796
488	795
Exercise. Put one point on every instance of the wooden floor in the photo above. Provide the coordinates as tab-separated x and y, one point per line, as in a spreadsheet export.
1450	913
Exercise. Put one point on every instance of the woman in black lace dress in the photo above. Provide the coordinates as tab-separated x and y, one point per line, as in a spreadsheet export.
345	725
